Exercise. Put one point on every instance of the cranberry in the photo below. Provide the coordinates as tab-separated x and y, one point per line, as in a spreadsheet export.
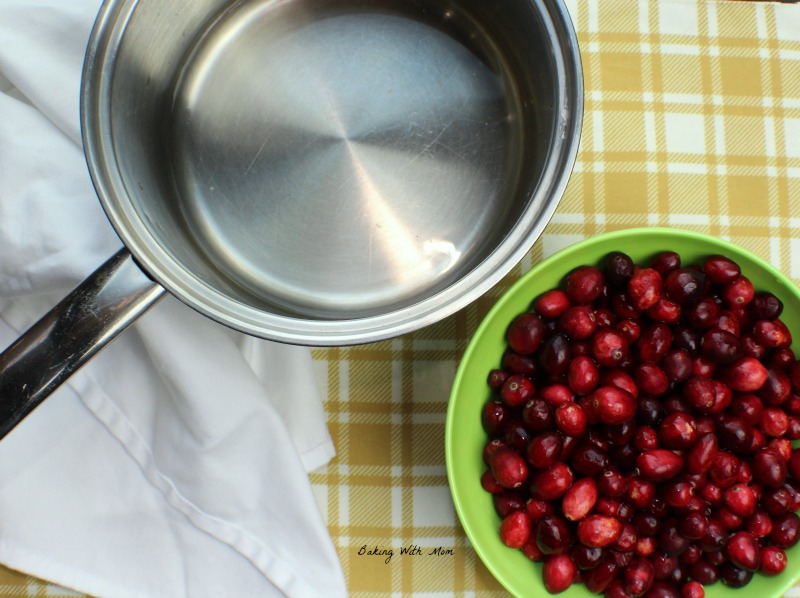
496	378
495	418
738	292
508	467
588	459
517	435
743	550
578	322
659	464
621	379
693	526
544	449
489	483
734	434
685	337
515	529
553	535
740	499
618	269
785	530
645	439
613	405
749	407
701	456
645	288
773	560
611	483
554	355
551	304
570	419
769	468
677	431
582	375
692	589
525	333
538	509
765	306
699	392
720	269
720	346
703	313
600	577
649	411
579	499
507	501
537	414
704	572
677	493
733	576
654	342
651	379
770	334
490	447
774	422
776	389
531	550
514	363
671	541
684	285
677	365
609	347
584	284
666	311
516	390
558	573
639	492
746	374
638	577
599	530
725	469
551	483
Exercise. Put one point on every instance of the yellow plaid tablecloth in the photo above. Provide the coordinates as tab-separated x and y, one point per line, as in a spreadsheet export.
692	121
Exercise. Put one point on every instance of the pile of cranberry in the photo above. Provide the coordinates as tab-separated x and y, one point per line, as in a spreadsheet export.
640	430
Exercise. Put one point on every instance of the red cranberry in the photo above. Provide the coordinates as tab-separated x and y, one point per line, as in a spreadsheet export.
551	483
734	434
654	342
514	363
671	541
645	288
677	431
703	313
770	334
776	389
765	306
720	269
639	492
785	530
638	577
701	456
651	379
508	467
600	577
517	435
525	333
515	529
538	509
507	501
551	304
659	464
588	459
749	407
613	405
725	469
692	589
558	573
733	576
740	499
586	557
694	525
769	468
773	560
704	572
495	418
609	347
578	322
738	292
582	375
720	346
760	524
685	337
537	414
516	390
618	269
645	439
531	550
489	483
554	355
666	311
570	419
579	499
611	483
774	422
685	285
746	374
496	378
553	535
544	449
677	365
599	530
584	284
677	493
743	550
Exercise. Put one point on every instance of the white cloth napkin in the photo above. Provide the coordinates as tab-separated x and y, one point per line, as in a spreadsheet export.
174	464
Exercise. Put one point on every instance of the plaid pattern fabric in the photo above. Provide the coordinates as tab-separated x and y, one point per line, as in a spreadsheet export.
692	121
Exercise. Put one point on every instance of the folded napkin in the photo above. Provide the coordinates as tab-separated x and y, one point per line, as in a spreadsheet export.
174	463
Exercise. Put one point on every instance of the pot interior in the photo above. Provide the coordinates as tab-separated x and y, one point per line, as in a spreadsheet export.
324	160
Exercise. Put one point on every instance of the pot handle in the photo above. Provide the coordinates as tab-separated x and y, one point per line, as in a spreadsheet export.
84	322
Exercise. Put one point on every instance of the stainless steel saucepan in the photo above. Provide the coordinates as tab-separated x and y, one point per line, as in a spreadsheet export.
322	172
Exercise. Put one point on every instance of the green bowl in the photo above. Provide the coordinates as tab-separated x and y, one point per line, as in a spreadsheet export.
465	438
